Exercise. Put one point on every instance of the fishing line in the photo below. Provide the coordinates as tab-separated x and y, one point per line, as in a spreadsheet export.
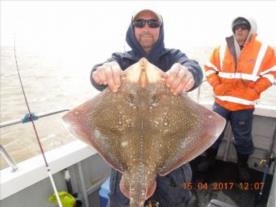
35	130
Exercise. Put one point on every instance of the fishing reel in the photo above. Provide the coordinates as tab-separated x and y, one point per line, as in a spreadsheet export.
265	162
152	204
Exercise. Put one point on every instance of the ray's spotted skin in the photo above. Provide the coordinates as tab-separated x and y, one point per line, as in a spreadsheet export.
143	130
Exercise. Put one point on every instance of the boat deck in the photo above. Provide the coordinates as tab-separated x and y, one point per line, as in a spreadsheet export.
221	183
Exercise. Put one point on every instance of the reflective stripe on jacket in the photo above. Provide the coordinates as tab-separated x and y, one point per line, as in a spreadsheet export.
238	84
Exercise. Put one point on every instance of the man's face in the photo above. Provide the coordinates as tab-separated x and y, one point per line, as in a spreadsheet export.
146	35
241	33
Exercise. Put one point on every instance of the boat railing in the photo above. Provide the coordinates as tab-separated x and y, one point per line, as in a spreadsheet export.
27	118
8	158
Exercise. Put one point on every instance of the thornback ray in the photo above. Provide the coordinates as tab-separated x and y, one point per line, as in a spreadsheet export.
143	130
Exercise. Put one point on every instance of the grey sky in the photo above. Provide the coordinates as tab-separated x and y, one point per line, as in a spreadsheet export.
97	28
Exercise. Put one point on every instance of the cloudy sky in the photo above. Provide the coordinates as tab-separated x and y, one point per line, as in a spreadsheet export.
97	28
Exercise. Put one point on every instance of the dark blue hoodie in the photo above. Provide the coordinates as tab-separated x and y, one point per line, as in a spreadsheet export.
160	56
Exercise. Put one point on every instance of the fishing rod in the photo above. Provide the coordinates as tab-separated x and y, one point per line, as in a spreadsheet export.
267	162
31	118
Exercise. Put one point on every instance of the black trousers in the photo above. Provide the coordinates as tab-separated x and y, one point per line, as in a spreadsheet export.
241	124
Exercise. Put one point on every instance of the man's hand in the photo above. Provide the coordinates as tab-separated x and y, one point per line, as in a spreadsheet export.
108	74
179	79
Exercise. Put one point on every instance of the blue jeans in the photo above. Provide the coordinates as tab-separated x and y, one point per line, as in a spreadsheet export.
168	191
241	124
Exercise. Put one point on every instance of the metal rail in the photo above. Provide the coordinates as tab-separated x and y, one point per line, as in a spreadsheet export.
8	158
28	117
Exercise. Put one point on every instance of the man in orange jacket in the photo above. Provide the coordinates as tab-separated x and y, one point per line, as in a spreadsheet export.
239	72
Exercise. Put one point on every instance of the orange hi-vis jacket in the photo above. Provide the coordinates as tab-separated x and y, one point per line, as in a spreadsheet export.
238	84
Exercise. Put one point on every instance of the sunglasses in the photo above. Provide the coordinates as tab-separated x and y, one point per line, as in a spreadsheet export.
242	26
152	23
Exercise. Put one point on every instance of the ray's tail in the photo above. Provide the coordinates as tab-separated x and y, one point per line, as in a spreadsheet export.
138	185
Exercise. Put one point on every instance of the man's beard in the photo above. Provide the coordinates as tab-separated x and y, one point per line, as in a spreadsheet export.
146	40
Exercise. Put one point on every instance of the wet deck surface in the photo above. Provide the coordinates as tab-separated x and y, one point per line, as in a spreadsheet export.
222	183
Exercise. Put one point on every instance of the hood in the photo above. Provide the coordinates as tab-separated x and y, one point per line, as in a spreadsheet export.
252	34
157	50
253	27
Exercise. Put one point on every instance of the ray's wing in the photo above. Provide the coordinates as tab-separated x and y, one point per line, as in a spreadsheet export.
80	121
77	121
199	129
